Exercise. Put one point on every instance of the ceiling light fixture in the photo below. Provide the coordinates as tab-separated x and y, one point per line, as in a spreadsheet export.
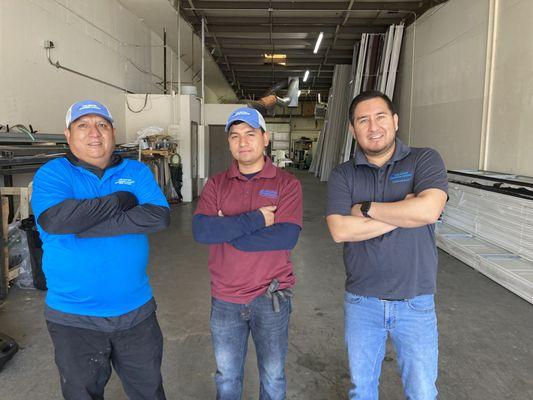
306	75
318	41
275	59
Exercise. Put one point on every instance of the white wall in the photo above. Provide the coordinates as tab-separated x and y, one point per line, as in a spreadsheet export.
448	85
217	114
33	91
189	112
161	110
510	130
471	101
93	37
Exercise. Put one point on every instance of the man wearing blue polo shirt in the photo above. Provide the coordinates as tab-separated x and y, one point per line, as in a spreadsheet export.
383	205
94	211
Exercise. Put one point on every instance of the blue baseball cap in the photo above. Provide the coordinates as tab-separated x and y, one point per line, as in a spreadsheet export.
84	107
248	115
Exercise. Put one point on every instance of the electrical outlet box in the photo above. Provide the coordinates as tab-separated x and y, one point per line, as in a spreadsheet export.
48	44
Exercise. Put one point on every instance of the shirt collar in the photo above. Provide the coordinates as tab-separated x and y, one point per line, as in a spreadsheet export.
268	171
115	160
400	152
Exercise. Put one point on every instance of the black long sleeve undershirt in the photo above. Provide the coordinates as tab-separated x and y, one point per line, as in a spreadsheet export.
76	216
144	219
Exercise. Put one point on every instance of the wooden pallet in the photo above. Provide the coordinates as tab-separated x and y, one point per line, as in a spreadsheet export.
8	274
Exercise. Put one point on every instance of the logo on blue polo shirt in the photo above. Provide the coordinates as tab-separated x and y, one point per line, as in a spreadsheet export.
271	194
124	181
400	177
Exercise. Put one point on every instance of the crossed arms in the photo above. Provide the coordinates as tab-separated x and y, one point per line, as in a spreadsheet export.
143	210
251	231
116	214
412	212
265	229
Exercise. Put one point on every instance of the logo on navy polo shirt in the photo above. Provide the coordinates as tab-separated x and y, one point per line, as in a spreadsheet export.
124	181
271	194
400	177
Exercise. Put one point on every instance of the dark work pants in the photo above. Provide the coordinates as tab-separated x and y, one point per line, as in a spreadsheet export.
84	358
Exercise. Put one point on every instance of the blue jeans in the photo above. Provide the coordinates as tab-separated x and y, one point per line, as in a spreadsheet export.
412	326
231	325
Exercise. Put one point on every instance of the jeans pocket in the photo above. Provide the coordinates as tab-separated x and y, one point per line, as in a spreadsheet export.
352	298
423	303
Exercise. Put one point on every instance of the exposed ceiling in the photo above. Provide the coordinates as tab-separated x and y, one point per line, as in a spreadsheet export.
240	32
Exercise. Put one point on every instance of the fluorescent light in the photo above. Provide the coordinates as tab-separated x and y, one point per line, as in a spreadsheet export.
276	56
318	41
306	75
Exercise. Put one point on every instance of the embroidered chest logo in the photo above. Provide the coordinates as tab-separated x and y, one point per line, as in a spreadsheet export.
124	181
400	177
271	194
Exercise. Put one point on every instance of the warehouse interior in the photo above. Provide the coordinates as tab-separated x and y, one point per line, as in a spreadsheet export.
459	73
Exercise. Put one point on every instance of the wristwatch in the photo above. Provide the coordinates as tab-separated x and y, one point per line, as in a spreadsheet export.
365	207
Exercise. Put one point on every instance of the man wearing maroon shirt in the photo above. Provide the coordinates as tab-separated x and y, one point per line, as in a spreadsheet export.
251	216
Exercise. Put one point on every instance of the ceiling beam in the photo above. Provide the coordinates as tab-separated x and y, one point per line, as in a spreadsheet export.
239	43
264	88
209	5
258	52
266	78
262	68
292	61
307	29
260	49
303	20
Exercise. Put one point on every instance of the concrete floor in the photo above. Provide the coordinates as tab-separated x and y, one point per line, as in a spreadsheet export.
486	332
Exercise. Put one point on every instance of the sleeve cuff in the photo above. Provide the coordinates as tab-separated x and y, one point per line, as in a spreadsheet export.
257	220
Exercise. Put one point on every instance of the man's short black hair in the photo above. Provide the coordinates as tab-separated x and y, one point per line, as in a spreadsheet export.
240	122
368	95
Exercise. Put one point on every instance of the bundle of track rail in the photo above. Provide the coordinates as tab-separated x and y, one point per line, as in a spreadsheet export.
488	224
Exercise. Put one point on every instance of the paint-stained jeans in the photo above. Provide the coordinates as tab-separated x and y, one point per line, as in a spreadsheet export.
412	326
231	325
84	359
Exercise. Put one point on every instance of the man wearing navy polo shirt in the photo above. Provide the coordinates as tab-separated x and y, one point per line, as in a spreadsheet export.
251	216
383	205
94	211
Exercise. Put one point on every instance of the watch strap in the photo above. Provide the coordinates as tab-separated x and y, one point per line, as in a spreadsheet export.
365	207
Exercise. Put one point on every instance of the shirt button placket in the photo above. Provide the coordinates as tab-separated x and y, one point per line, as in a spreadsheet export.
381	172
248	193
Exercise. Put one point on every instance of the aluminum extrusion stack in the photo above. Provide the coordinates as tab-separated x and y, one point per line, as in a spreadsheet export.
374	65
488	224
329	147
